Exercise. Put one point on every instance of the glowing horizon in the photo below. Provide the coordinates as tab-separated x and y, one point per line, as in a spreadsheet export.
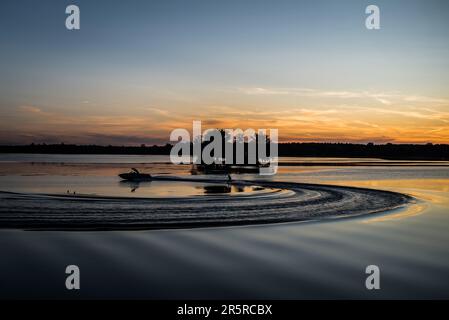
384	118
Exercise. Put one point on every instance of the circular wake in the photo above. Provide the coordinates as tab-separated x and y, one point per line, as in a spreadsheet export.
285	202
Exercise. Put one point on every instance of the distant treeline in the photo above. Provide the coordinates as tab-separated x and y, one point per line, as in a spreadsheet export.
370	150
348	150
86	149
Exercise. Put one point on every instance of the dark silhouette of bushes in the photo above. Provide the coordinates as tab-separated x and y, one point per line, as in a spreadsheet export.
370	150
347	150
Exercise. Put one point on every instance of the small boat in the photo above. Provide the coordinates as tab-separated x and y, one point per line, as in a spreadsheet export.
135	175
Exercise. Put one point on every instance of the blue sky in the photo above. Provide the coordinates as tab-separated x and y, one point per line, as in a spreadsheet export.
139	62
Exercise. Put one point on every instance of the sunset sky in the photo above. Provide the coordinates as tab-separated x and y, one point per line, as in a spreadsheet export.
138	69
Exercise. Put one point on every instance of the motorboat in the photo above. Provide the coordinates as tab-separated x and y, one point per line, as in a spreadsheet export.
135	175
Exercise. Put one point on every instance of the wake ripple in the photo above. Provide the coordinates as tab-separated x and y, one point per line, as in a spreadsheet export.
285	202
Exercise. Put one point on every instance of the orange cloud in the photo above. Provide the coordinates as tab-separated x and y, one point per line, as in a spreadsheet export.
363	117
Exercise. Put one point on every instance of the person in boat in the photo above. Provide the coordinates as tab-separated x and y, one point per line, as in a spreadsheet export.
135	175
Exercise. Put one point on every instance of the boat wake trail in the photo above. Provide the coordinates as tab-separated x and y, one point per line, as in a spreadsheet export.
285	202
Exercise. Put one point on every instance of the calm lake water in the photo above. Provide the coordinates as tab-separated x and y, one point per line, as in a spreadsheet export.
289	260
